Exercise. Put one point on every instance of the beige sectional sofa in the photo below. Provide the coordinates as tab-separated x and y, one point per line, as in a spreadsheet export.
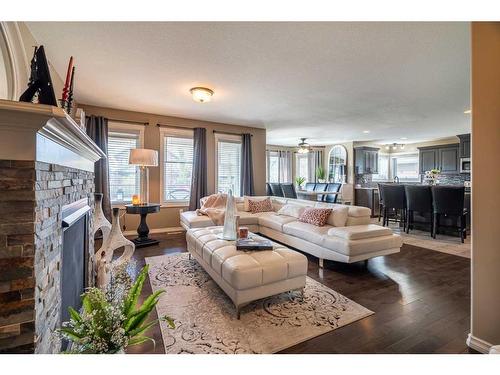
348	236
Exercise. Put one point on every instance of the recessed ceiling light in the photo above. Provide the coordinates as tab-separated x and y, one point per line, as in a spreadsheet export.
468	111
403	138
201	94
366	131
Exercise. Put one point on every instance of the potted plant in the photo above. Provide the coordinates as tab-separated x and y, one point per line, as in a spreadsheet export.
299	181
320	174
111	319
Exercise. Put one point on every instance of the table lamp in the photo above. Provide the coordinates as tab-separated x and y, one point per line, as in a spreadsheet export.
144	158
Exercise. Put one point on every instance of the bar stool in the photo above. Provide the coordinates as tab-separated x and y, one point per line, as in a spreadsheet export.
394	203
449	201
419	199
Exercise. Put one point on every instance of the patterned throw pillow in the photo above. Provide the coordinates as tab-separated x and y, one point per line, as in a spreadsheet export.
315	216
264	205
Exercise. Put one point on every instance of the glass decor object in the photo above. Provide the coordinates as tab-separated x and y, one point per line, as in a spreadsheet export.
229	232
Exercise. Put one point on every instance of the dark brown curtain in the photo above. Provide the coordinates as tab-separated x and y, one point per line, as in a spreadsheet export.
97	129
199	176
246	165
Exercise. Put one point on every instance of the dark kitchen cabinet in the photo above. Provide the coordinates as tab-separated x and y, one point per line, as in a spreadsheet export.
367	197
464	147
366	160
448	160
445	158
428	160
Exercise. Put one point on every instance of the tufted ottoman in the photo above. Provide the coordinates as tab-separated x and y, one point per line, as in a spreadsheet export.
246	276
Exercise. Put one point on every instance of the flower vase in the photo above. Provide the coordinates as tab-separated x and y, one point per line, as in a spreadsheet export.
229	231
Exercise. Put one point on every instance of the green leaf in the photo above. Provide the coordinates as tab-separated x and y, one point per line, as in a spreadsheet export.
139	340
87	306
74	315
169	321
71	334
135	291
142	328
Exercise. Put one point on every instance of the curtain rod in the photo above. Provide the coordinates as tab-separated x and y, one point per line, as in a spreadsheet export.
229	133
128	121
173	127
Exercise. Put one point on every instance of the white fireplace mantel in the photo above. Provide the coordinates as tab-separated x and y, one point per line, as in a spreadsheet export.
44	133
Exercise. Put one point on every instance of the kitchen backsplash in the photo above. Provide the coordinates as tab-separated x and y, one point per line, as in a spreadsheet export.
444	179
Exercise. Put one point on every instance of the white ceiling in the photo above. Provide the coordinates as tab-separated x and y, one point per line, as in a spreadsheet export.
325	81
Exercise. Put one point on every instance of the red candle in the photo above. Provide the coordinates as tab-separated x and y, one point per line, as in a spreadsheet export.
68	78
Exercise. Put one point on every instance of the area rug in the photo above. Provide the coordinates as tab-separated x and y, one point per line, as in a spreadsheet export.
205	317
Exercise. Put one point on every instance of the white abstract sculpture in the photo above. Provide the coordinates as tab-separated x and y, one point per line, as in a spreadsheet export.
104	257
229	231
100	221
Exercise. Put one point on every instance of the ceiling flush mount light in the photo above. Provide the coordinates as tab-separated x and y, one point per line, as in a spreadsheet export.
467	112
304	147
201	94
366	131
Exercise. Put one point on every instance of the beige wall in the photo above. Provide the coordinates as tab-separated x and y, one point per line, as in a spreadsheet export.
485	323
169	216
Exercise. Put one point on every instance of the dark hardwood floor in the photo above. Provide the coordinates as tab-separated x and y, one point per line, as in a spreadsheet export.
421	300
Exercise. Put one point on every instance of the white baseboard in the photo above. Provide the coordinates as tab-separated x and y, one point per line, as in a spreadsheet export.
477	344
157	230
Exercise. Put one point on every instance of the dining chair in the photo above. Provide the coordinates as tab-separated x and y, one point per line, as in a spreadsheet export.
269	192
332	198
288	190
310	186
320	187
276	189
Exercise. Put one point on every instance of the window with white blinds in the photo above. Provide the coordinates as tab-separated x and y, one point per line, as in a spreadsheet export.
177	168
229	166
124	179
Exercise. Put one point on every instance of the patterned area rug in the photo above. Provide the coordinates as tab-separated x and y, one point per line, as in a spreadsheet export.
205	317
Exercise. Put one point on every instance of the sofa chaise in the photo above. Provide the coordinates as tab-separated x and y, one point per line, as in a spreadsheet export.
347	237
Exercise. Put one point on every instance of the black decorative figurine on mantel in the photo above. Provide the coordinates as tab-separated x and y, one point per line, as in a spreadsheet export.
40	84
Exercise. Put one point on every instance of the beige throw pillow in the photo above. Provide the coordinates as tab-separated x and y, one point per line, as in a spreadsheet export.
338	217
291	210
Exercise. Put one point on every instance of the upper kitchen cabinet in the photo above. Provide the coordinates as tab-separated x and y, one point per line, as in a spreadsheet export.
464	147
366	160
444	157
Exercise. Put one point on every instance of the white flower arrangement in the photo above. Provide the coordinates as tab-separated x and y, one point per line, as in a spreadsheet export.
431	177
110	319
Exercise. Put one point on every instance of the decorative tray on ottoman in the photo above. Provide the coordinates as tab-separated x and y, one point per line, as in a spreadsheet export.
253	243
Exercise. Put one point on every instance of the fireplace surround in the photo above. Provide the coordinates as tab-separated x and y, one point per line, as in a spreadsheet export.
46	165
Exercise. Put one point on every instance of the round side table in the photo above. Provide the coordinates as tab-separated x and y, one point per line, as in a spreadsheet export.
143	230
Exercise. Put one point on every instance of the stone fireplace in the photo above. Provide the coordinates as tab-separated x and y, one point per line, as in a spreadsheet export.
46	190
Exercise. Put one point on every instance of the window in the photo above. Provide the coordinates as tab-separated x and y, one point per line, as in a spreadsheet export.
337	164
279	166
405	167
383	168
124	179
177	166
302	166
273	166
229	165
